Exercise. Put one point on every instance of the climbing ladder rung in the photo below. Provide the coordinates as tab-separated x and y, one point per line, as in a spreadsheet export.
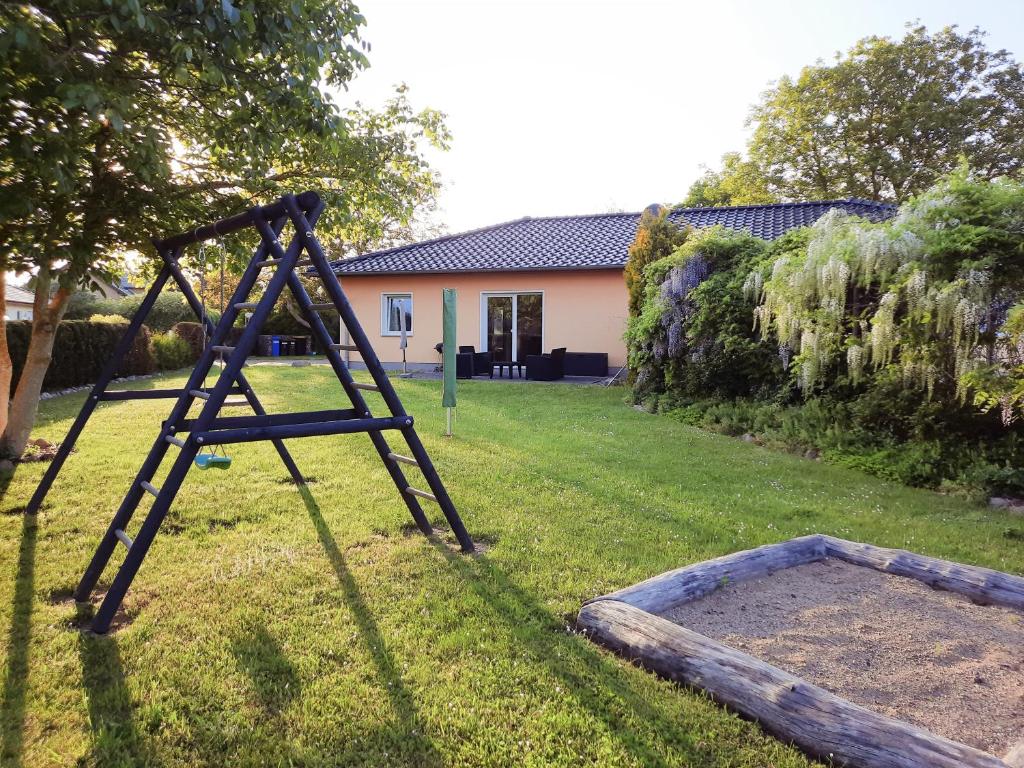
222	348
175	441
404	459
367	387
345	347
150	488
200	394
123	538
272	262
247	305
322	307
421	494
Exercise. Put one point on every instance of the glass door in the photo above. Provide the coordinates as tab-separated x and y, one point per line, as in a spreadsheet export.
499	327
514	325
529	335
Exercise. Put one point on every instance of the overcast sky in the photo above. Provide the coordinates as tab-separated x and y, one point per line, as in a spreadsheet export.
568	106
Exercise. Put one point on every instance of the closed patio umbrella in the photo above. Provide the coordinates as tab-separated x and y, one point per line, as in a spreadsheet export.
448	340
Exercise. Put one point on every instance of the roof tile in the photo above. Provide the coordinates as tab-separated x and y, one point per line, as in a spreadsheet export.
598	241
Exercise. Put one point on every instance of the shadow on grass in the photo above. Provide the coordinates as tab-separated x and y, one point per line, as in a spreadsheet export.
596	682
116	742
273	677
12	705
414	740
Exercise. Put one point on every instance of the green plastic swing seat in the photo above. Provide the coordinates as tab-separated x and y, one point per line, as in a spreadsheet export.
212	461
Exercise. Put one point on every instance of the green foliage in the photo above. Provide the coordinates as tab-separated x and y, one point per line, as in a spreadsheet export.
925	292
883	121
656	238
1001	385
693	335
739	182
171	351
193	335
856	339
170	309
80	351
126	120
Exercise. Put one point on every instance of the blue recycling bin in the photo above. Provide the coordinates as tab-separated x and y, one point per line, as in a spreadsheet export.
275	346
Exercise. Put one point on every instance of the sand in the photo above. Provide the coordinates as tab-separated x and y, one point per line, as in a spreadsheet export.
890	644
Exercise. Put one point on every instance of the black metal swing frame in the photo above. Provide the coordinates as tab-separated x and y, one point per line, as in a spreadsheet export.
209	428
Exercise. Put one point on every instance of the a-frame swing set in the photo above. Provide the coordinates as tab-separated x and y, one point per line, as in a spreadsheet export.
191	438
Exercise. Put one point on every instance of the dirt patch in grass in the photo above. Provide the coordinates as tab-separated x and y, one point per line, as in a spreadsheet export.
84	612
890	644
482	543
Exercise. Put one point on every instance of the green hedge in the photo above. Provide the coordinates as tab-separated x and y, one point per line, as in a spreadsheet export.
80	351
172	352
170	308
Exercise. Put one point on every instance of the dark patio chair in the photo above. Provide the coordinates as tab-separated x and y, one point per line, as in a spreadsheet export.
482	361
546	367
464	365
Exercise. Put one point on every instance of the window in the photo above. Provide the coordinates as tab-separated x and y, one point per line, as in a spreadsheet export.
392	308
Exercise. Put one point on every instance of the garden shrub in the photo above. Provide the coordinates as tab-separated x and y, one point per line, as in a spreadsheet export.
80	351
656	237
171	351
895	347
194	336
694	336
170	308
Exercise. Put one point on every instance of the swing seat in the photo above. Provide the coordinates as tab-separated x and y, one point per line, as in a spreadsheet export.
212	461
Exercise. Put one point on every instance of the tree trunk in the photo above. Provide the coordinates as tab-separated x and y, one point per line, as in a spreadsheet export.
46	316
6	368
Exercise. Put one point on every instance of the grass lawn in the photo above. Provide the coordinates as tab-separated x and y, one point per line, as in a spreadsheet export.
271	627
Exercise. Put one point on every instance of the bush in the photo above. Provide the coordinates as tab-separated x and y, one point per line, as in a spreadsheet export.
140	360
171	351
80	351
193	335
170	308
893	347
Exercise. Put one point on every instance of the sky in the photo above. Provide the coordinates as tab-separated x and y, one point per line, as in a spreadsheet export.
567	107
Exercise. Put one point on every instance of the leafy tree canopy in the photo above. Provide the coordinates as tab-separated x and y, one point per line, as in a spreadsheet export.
122	120
740	182
882	122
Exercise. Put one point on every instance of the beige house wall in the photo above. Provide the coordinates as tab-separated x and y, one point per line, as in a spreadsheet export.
583	310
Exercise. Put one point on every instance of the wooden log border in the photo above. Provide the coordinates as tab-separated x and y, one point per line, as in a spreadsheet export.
820	723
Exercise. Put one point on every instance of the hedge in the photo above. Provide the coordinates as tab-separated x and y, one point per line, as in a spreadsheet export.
170	308
80	351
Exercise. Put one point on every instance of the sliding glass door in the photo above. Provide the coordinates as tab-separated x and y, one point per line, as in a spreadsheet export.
513	325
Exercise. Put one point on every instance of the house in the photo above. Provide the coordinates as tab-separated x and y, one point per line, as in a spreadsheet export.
534	283
17	303
114	290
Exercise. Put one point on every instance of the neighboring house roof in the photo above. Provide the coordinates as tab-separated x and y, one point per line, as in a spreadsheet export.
599	241
15	295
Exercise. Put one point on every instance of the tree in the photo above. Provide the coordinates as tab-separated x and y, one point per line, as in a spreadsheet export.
121	121
656	238
884	121
740	182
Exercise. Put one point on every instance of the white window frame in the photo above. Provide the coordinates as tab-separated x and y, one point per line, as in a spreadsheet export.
384	296
484	295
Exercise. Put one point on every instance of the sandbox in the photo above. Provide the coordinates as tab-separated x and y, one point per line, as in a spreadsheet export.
868	657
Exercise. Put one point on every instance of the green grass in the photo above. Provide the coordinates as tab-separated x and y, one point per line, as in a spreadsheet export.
270	627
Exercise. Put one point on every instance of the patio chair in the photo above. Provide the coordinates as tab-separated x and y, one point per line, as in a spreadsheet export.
482	361
464	365
546	367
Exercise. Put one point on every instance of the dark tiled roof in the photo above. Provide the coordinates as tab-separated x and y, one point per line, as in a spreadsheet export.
582	242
